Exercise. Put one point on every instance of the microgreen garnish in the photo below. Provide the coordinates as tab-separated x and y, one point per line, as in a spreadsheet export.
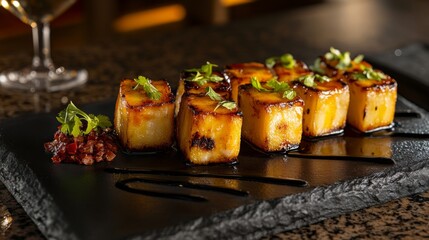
149	89
307	80
286	60
72	119
256	84
213	94
310	79
344	60
279	87
369	74
316	67
358	58
221	102
204	74
226	104
289	94
282	87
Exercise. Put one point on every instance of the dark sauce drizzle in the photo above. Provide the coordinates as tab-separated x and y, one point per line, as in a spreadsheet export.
270	180
183	184
124	184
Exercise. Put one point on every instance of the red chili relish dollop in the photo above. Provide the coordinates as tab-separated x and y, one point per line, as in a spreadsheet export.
97	146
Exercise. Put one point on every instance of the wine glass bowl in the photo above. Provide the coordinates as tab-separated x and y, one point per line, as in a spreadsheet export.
42	75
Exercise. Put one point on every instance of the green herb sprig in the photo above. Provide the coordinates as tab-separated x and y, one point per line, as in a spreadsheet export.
286	60
149	89
369	74
256	84
343	58
282	87
279	87
72	119
310	79
221	102
204	74
317	66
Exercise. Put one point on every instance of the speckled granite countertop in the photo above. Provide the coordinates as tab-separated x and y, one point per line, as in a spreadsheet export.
165	56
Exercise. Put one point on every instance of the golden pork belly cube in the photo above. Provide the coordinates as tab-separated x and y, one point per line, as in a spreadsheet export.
222	87
240	73
206	135
141	123
372	102
326	104
270	122
289	74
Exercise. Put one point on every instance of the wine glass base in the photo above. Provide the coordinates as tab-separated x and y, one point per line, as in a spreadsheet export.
51	81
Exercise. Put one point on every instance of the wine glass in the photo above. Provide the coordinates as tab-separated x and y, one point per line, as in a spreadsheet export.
42	75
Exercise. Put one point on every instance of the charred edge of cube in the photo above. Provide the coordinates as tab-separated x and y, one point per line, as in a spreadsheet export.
231	76
148	103
197	111
220	86
226	95
387	84
202	142
336	85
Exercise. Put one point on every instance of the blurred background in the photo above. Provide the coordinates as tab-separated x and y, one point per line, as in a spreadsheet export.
356	25
99	21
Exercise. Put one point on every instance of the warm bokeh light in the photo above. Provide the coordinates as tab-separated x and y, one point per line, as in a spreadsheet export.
149	18
5	4
161	15
230	3
16	4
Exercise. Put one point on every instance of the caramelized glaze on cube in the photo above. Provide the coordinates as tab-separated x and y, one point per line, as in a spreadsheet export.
372	104
270	122
241	73
289	74
141	123
328	66
325	108
222	87
206	135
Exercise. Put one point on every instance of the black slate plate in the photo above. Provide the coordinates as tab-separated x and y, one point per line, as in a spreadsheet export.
343	173
256	197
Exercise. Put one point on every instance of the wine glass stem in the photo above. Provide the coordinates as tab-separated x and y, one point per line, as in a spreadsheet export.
42	61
